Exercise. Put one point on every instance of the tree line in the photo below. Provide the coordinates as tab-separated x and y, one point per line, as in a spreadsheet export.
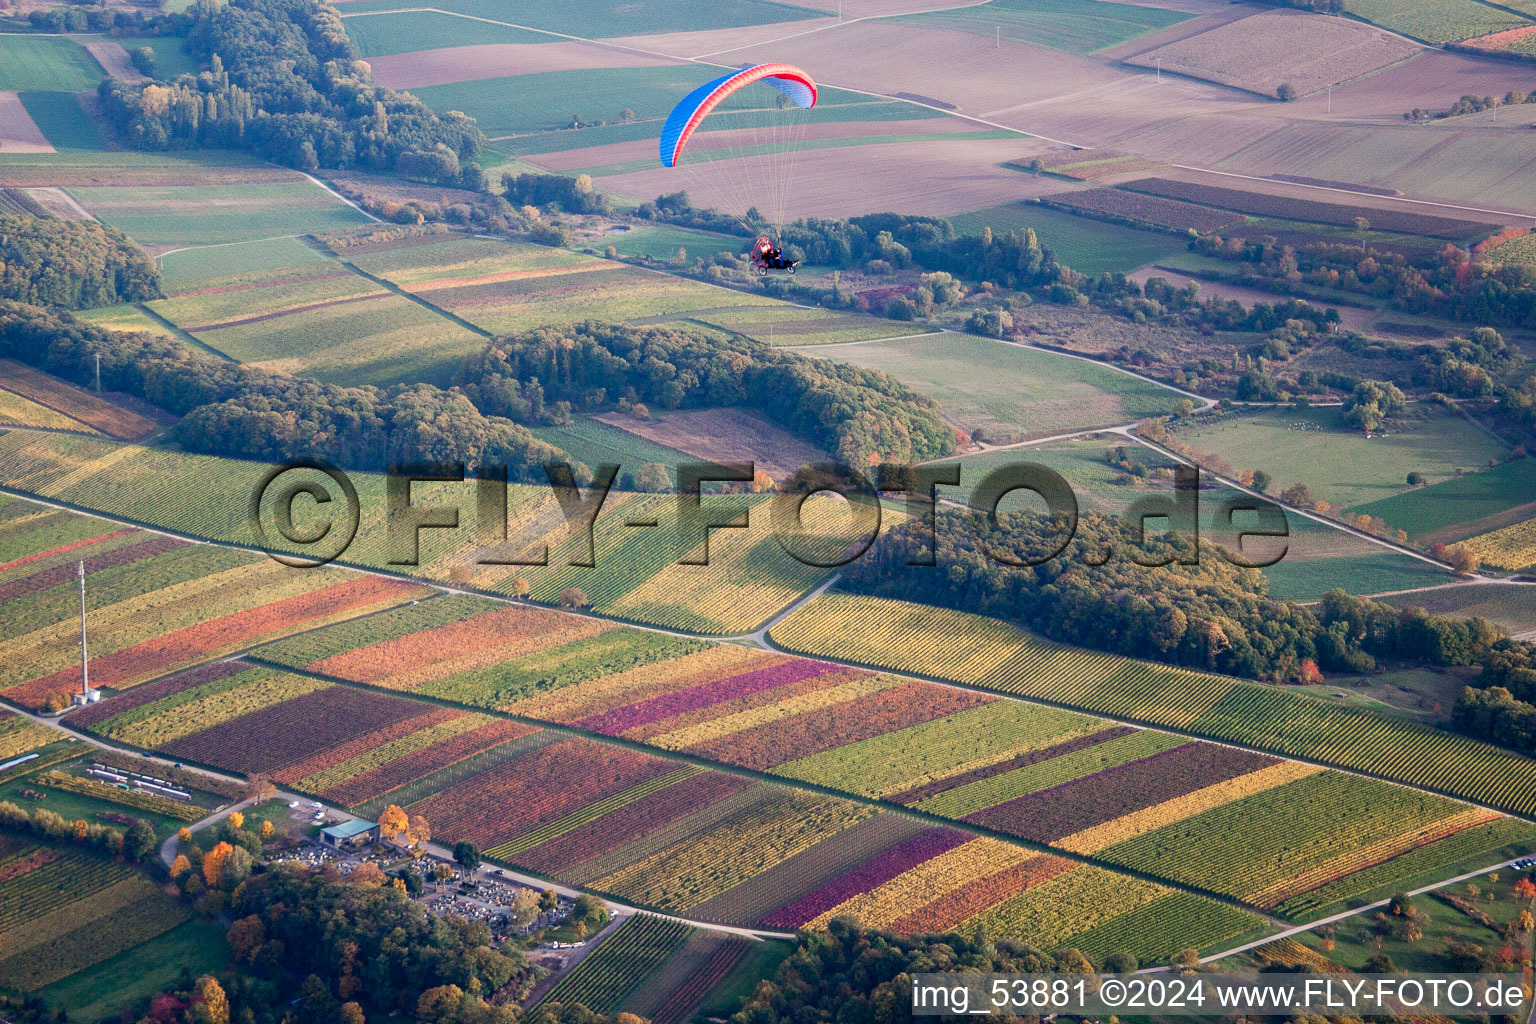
862	416
231	409
72	263
1151	598
1502	707
284	81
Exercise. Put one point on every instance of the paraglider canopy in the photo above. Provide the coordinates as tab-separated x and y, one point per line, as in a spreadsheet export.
696	106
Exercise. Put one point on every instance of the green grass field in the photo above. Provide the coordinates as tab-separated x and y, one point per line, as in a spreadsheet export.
1087	246
187	215
1436	21
320	319
124	318
593	442
662	241
1304	579
1339	463
170	60
1011	392
62	121
377	35
183	269
118	984
47	64
550	99
1077	26
609	18
1459	499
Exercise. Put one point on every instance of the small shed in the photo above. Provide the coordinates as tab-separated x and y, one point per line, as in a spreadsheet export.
356	832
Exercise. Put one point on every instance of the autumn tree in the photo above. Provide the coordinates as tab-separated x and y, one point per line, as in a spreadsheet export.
573	597
180	865
183	835
213	864
267	830
209	1003
393	821
351	1013
1525	889
245	937
368	875
236	819
420	835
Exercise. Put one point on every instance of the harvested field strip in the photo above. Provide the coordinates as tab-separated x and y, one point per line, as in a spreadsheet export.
148	546
1507	836
1092	800
816	907
1149	819
1262	205
506	801
180	648
1000	789
709	864
290	311
64	549
631	822
253	691
292	730
920	793
1369	856
964	902
255	285
968	867
1051	913
1119	206
885	713
113	420
698	980
1236	849
920	638
444	778
443	753
434	285
336	764
591	812
619	964
1160	929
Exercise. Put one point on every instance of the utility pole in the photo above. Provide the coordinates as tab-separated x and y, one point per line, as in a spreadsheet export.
1330	99
1159	70
85	670
997	42
98	373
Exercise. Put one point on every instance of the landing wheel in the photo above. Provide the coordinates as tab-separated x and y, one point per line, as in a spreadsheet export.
791	269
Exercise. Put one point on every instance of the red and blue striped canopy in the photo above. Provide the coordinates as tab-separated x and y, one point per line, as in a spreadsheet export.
685	117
